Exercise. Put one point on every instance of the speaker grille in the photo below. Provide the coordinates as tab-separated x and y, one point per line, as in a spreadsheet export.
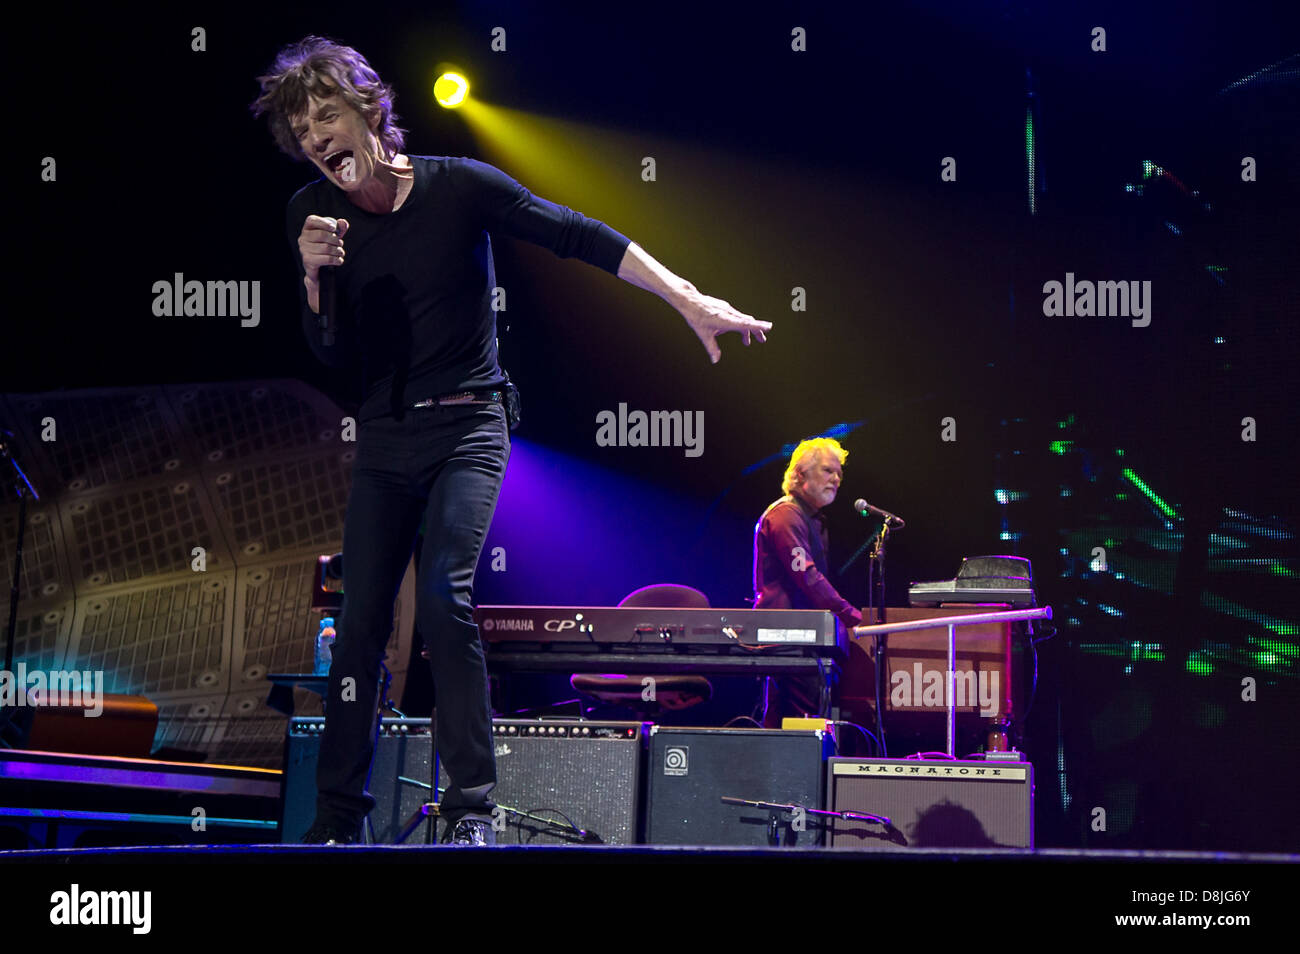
278	506
585	775
100	437
158	639
132	480
127	534
254	419
44	578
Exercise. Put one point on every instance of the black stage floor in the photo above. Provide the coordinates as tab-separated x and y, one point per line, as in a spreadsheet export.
617	854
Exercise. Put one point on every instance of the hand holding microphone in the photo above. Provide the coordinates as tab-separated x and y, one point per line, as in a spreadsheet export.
321	246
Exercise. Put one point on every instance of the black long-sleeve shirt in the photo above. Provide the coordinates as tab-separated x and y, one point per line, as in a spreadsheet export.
786	525
415	290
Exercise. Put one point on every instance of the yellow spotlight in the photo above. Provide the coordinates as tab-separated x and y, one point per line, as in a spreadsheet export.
450	90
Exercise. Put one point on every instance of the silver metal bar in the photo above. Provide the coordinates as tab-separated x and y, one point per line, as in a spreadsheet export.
951	688
1004	616
952	622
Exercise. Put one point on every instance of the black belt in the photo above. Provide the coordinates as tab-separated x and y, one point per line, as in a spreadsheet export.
488	396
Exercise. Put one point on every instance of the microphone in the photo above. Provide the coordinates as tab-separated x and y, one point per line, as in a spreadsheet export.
328	305
863	508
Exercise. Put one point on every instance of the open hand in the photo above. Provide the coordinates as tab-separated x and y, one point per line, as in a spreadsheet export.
710	317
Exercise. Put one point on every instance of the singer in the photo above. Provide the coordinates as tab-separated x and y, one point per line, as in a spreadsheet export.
407	238
790	552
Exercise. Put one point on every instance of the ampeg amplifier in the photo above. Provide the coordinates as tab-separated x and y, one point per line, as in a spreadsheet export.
405	750
692	770
931	803
566	781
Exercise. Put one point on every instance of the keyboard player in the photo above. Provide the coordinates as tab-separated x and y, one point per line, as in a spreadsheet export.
790	559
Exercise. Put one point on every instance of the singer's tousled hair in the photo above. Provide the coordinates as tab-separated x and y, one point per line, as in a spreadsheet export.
315	66
805	455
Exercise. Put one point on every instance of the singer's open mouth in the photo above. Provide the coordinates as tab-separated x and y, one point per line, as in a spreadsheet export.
335	159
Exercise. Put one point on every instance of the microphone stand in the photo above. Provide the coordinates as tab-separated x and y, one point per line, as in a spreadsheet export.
876	558
773	827
876	568
23	488
430	809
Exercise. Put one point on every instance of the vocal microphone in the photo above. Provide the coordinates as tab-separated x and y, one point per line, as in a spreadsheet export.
328	305
863	508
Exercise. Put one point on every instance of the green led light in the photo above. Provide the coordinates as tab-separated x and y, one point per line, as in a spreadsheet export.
1198	665
1148	652
1268	660
1219	604
1137	482
1069	421
1278	569
1211	716
1060	447
1030	162
1277	646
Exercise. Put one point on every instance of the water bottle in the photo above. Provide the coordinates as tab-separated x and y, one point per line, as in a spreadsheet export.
324	647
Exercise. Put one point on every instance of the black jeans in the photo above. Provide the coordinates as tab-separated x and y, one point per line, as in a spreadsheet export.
442	465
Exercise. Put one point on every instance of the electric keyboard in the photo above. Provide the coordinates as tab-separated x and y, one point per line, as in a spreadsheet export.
660	630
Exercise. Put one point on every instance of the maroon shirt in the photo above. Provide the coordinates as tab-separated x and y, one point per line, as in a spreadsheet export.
785	525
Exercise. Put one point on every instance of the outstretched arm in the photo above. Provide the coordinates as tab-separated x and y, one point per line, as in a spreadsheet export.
502	204
707	316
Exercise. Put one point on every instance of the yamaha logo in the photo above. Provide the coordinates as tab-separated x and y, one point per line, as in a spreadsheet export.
489	623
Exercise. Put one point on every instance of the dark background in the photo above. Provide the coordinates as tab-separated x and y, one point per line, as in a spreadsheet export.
821	170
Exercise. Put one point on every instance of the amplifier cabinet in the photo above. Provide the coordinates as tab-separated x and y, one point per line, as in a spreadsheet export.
405	749
691	770
931	803
566	774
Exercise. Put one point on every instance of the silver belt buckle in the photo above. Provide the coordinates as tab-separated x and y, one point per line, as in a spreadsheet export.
464	397
461	397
